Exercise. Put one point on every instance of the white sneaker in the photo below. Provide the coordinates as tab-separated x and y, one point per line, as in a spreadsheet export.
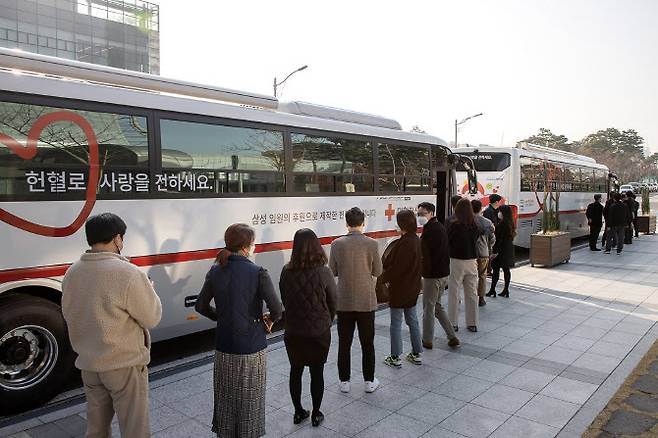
372	386
344	386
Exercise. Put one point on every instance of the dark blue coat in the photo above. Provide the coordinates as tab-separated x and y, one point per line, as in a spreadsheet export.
239	289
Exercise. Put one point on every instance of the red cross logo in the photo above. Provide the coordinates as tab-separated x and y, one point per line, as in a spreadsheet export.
389	212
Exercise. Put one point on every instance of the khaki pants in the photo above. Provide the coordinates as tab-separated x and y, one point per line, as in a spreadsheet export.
463	273
483	266
124	391
432	308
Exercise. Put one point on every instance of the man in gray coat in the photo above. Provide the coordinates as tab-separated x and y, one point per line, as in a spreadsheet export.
483	248
355	260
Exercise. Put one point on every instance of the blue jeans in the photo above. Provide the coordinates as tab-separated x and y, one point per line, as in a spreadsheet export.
411	318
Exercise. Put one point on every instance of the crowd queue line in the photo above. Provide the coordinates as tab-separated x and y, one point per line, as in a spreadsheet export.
110	306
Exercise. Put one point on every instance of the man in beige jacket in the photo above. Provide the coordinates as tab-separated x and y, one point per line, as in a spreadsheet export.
109	305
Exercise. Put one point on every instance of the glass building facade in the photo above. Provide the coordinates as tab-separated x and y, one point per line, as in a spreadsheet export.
116	33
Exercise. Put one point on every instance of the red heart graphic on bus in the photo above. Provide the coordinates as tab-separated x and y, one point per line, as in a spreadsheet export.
29	151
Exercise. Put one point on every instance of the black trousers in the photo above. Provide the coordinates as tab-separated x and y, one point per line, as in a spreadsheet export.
615	234
347	322
594	231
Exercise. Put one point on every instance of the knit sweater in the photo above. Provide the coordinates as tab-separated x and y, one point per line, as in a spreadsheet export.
109	305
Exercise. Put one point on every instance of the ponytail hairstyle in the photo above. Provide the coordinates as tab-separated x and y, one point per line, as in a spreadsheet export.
508	220
236	237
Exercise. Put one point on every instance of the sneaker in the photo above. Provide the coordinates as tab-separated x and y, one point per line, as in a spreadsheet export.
344	386
393	361
372	386
415	358
619	253
455	328
454	342
607	252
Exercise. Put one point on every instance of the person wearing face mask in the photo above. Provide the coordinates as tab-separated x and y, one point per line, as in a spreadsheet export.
109	306
239	287
435	271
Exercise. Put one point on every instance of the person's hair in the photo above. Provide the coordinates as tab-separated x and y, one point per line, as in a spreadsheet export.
427	206
236	237
477	205
104	227
406	221
306	251
464	212
355	217
617	196
495	198
597	197
629	194
454	200
508	220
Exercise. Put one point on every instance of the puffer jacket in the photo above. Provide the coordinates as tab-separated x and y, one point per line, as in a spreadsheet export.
309	298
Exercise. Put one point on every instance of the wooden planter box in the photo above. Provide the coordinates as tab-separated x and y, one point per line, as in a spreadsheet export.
646	224
550	249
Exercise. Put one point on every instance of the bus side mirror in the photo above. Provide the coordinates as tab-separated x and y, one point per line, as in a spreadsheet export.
472	177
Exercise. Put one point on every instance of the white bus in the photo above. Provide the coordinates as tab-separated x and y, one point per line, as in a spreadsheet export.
516	174
178	162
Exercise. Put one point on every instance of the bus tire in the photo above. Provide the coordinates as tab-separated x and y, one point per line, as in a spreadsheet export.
36	358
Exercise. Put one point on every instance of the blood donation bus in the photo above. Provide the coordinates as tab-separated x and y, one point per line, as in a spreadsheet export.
519	175
179	162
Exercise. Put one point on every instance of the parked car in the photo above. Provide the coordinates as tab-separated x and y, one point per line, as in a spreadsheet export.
636	187
626	188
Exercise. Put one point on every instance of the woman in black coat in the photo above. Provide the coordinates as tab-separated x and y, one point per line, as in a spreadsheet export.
308	292
402	272
503	251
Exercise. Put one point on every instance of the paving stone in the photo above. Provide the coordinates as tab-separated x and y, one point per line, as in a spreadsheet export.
517	427
643	402
474	421
74	424
48	431
629	423
647	383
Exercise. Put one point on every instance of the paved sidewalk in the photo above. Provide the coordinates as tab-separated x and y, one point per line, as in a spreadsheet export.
544	363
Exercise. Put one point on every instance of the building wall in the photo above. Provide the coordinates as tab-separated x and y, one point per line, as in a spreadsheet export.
117	33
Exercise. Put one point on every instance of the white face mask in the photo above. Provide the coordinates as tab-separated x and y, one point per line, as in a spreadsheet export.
422	220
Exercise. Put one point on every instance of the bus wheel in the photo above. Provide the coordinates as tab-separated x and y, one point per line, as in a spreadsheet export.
35	354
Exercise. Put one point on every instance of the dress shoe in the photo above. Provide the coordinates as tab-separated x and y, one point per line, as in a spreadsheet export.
472	328
427	345
300	416
481	302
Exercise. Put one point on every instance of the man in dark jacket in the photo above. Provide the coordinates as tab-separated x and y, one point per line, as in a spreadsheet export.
606	207
436	269
636	208
630	203
595	221
491	212
616	222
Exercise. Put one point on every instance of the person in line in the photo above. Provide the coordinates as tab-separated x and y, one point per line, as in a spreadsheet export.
636	210
436	269
491	212
355	260
109	306
463	234
606	207
594	215
630	203
616	223
239	287
402	272
503	251
484	248
308	292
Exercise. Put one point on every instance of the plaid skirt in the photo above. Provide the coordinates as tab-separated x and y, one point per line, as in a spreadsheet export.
239	381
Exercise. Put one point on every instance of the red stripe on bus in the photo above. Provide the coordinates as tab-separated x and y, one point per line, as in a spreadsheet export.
164	259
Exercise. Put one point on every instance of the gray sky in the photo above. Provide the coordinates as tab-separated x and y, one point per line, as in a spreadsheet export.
574	66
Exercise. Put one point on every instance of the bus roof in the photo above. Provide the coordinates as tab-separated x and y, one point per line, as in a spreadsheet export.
30	73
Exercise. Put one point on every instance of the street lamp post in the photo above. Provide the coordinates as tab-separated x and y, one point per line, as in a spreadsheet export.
277	84
462	122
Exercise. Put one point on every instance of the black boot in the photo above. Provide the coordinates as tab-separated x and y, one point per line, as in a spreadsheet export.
492	293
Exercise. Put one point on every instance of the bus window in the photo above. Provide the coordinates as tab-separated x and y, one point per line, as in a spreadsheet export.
60	165
208	158
404	168
486	161
323	164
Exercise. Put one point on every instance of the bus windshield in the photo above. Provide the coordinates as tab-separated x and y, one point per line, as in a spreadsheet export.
486	161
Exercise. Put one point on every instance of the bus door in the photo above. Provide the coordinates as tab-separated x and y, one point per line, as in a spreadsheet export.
444	189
